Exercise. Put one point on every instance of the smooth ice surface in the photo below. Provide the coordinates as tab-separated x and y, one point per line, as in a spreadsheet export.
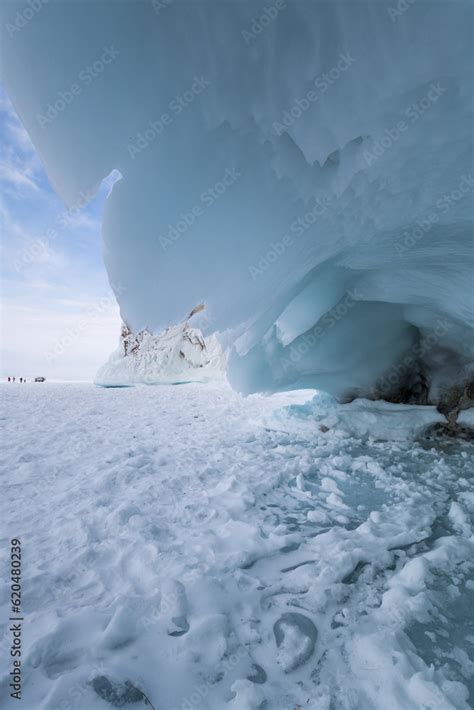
308	176
175	545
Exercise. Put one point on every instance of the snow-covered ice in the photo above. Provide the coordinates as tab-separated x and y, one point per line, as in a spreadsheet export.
361	418
178	546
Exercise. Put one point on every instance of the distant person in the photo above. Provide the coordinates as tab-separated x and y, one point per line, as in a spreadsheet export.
9	379
13	379
21	379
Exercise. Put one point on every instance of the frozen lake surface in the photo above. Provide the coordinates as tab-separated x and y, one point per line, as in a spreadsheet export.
177	545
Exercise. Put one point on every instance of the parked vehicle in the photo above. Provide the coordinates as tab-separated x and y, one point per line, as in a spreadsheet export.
40	379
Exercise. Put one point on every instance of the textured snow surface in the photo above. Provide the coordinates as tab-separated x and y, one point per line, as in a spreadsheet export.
308	177
176	545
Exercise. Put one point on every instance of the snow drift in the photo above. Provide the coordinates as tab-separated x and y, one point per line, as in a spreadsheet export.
303	168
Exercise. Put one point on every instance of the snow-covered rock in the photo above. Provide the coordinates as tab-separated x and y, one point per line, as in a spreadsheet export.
179	354
311	161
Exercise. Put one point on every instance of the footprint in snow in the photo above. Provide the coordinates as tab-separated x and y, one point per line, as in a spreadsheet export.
295	636
174	605
116	693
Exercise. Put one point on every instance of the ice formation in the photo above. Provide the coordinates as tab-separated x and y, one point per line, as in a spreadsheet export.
303	168
179	354
384	421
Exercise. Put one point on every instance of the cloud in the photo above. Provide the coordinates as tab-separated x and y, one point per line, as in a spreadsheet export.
80	219
17	177
26	254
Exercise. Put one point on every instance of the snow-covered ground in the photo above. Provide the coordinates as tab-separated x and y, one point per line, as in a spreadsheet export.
182	542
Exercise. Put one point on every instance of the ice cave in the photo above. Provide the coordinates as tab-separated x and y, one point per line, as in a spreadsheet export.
302	168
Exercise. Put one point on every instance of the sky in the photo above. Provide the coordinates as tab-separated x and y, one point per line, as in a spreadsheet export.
59	318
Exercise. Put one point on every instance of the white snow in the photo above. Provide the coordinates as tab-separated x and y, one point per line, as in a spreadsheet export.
466	418
168	550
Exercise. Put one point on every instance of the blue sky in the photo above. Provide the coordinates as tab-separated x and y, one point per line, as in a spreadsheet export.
59	316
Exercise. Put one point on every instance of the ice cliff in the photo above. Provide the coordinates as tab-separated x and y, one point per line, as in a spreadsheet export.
304	168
